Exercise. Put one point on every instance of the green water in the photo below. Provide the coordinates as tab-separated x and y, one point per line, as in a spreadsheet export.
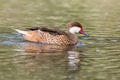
98	58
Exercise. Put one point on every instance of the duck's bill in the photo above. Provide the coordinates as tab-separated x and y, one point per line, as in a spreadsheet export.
86	34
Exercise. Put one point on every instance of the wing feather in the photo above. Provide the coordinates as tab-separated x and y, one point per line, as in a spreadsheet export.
50	31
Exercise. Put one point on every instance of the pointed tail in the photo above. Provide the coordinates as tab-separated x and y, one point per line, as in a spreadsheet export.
22	32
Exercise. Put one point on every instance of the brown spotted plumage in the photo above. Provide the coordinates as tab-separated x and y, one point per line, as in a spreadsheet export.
53	36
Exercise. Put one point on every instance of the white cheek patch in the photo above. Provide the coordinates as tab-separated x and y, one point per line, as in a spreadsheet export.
74	29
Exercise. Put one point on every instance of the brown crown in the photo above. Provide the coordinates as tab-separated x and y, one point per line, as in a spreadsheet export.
73	23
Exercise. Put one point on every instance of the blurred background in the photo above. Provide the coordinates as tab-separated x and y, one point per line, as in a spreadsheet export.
98	58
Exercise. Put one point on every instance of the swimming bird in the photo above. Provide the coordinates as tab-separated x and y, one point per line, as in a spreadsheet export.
54	36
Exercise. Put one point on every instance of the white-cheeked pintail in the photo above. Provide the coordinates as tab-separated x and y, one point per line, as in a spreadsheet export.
54	36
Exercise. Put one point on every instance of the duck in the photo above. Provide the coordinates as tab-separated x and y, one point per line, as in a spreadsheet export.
47	35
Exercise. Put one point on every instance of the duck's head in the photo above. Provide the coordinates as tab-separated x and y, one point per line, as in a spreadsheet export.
75	27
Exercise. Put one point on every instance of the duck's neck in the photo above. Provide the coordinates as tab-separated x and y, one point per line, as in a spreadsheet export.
73	38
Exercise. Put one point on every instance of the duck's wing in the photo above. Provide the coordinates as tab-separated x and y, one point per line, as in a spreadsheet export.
33	28
50	31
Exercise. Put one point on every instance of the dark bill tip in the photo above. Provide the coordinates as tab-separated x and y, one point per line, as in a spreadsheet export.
86	34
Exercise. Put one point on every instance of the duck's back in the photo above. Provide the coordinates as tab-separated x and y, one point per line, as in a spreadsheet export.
48	36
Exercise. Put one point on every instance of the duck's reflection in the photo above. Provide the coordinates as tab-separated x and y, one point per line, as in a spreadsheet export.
73	60
59	59
45	48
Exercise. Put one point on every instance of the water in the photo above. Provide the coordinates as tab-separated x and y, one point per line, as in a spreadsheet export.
94	58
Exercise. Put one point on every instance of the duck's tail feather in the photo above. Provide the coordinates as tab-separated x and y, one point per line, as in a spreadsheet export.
22	32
